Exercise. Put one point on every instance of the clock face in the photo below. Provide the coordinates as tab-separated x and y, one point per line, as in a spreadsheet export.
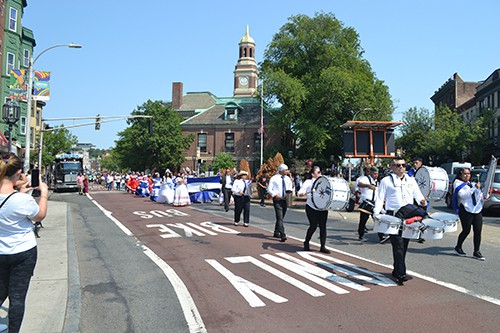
243	80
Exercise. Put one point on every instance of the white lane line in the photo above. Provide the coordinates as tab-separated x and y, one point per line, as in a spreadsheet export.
191	313
421	276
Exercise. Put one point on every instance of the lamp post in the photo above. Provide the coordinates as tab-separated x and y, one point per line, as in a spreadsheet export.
29	97
11	113
358	112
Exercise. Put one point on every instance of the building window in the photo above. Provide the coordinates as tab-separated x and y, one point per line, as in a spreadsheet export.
26	58
231	114
13	19
229	142
11	58
202	142
22	126
256	142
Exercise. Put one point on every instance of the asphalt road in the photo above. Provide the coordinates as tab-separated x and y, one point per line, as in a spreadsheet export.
132	253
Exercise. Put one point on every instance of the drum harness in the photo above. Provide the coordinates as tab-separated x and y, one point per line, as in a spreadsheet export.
417	217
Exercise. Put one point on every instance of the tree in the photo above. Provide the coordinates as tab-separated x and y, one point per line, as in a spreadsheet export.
96	153
55	142
444	136
415	132
138	149
223	161
109	162
314	69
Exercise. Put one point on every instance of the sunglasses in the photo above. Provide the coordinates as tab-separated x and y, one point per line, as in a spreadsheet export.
398	165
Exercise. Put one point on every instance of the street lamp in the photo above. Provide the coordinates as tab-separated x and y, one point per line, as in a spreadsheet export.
358	112
29	97
11	113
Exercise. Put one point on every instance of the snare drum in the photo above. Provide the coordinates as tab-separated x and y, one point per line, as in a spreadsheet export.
412	230
450	220
434	229
366	207
330	193
386	224
433	182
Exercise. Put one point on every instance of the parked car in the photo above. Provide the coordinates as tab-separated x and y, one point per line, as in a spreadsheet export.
479	174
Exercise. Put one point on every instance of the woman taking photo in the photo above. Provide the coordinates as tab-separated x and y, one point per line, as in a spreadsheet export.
18	252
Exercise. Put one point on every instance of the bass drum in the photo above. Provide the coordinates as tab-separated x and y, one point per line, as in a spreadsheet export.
433	182
330	193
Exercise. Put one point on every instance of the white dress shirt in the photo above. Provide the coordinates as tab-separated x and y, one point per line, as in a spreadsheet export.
396	192
465	197
228	181
241	185
275	185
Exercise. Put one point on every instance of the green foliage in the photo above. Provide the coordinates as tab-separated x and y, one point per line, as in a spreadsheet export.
223	161
314	69
96	153
110	162
55	142
137	149
443	136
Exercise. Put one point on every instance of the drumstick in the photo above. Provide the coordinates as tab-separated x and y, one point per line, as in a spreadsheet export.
345	218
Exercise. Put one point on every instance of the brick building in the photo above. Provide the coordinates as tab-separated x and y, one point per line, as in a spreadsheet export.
470	99
226	124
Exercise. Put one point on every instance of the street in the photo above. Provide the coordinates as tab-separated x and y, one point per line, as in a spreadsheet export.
242	279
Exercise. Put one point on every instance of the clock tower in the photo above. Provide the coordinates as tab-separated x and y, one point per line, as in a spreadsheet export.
245	72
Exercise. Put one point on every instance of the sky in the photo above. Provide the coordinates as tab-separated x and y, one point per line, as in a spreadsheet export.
134	50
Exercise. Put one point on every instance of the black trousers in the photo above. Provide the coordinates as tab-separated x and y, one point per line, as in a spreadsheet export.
316	218
242	203
16	271
280	211
227	197
262	195
467	220
363	218
399	248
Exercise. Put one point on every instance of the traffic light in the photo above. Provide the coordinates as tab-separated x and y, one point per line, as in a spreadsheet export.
98	122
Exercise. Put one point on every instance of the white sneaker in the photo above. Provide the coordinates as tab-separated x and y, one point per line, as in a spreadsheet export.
3	327
245	224
235	223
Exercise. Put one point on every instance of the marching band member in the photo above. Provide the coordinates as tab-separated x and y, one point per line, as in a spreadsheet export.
367	186
417	164
398	190
241	193
316	217
279	184
468	200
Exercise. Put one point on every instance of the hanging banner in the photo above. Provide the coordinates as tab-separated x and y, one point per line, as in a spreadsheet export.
41	84
18	85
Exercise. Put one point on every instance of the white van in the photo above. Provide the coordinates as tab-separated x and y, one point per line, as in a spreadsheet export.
453	166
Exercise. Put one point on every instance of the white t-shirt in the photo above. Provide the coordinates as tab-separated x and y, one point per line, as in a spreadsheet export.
366	192
16	228
306	189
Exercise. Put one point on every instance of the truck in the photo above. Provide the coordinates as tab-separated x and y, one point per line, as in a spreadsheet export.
65	170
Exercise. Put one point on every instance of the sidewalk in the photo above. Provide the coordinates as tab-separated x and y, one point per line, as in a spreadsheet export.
48	292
